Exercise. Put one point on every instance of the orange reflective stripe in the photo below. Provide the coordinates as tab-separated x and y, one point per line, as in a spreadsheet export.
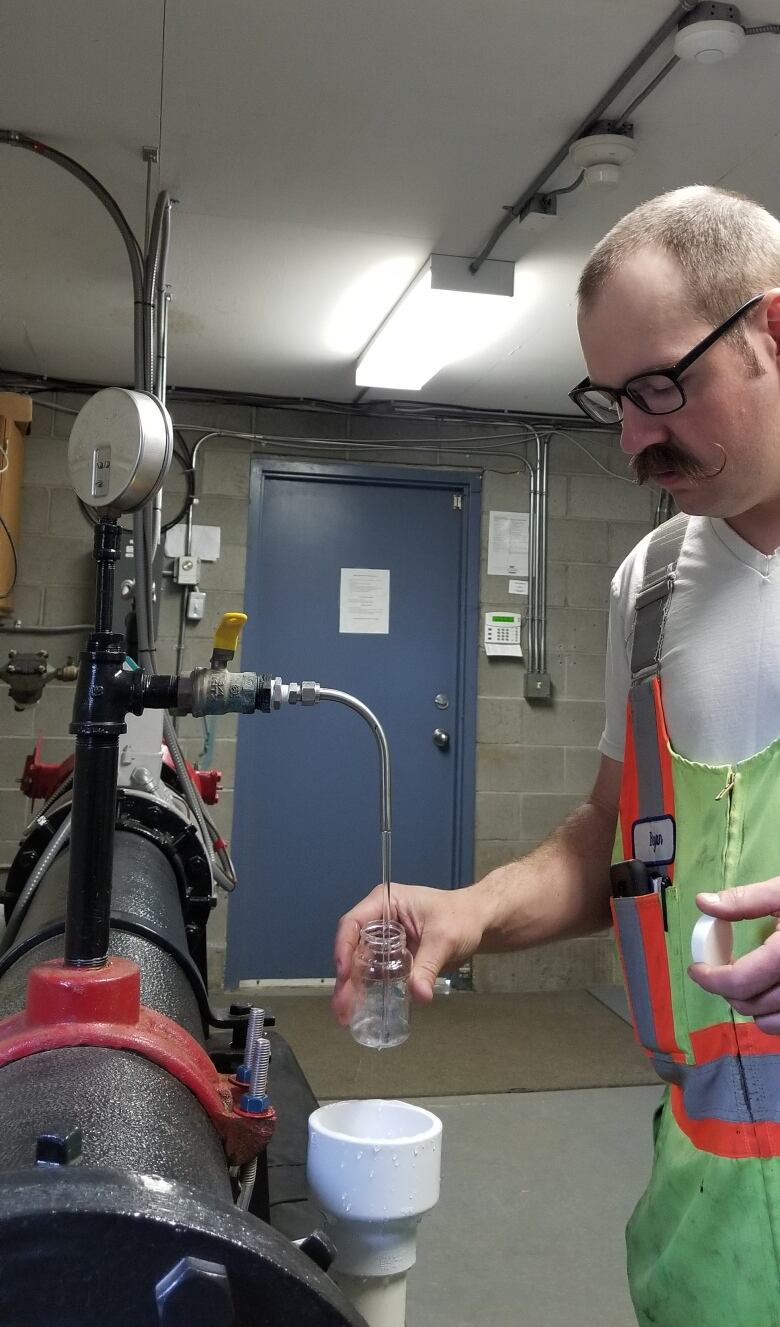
657	960
728	1038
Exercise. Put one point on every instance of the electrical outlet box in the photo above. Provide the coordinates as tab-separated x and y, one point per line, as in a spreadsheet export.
187	570
196	605
538	686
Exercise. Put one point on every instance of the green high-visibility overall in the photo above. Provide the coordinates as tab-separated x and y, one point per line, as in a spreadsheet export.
704	1240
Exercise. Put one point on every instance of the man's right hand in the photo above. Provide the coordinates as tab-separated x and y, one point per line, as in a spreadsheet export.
443	928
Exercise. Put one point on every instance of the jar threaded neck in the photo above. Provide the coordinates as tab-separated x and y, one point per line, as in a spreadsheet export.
381	936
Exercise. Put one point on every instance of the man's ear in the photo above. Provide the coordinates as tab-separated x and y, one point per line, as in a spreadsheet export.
773	317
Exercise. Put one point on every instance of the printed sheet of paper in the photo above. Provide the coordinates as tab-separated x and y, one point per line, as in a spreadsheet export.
508	544
364	601
518	587
205	542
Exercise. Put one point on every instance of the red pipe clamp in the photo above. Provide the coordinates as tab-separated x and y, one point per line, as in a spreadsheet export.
68	1006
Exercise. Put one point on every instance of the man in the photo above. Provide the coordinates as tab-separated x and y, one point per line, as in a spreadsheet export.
679	319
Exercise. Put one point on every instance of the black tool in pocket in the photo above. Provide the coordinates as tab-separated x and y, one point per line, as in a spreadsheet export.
632	878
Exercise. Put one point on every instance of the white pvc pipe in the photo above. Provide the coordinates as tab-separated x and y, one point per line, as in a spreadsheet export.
374	1168
381	1300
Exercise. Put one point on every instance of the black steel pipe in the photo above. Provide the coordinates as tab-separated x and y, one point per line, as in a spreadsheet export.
106	549
91	850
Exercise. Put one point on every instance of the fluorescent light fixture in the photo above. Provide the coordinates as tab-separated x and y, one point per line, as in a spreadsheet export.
364	303
447	314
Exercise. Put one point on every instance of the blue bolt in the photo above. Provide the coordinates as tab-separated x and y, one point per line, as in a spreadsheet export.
254	1105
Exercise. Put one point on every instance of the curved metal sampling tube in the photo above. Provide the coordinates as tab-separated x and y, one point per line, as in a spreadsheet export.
385	808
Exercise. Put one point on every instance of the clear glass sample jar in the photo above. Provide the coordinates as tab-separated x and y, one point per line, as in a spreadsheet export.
380	985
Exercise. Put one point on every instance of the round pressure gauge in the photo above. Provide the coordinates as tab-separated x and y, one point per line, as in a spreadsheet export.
120	449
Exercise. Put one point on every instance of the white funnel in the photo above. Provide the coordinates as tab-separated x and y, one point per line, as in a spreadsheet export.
374	1167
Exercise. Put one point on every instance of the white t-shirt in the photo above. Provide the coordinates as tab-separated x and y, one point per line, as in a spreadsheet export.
720	663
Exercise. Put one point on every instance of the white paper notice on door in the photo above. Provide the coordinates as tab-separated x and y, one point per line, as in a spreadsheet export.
364	601
508	544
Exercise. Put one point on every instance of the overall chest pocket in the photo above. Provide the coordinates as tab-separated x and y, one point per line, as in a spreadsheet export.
646	953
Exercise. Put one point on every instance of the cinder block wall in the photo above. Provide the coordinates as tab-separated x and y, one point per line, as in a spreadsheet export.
534	763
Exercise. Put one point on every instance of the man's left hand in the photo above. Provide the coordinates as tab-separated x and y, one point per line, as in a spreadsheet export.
751	984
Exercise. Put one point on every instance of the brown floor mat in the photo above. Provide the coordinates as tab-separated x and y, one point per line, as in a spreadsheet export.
466	1043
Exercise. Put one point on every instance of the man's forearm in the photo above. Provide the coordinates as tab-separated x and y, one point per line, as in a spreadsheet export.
560	889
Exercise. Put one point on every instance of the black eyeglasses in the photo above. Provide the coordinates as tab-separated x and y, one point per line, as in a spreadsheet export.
658	392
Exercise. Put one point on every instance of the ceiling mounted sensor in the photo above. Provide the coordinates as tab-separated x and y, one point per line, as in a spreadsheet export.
709	34
448	313
602	157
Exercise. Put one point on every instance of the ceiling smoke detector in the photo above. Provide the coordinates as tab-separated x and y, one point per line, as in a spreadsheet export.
711	33
602	158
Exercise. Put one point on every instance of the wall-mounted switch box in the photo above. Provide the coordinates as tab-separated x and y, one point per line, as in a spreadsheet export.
538	686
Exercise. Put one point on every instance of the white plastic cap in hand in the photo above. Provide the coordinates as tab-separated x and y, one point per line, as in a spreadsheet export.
712	941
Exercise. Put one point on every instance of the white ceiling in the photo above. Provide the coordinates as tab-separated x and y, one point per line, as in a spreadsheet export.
310	142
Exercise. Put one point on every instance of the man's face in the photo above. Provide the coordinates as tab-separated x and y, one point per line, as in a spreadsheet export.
719	455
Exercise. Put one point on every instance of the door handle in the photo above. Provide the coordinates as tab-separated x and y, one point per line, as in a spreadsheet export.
441	739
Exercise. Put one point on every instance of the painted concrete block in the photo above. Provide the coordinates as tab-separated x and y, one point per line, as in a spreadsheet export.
600	498
498	816
520	769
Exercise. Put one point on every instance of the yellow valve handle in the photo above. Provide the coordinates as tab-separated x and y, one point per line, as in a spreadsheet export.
228	631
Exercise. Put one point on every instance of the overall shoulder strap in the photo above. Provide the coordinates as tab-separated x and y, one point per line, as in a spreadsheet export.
652	602
647	798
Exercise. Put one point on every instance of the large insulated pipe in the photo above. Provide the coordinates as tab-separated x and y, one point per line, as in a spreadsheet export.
115	1194
114	1097
374	1169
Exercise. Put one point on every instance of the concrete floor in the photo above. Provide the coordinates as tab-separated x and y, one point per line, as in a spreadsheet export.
536	1190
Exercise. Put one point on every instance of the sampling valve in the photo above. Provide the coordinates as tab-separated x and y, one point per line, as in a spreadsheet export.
217	690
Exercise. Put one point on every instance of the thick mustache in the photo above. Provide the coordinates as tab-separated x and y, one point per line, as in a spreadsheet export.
667	458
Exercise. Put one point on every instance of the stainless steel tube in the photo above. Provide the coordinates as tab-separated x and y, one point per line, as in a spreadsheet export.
353	703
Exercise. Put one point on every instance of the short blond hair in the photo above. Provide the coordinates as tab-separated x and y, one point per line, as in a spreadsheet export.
727	247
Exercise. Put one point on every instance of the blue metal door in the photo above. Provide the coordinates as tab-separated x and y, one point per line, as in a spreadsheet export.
306	825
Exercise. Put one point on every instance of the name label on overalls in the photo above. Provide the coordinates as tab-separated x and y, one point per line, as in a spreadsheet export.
654	840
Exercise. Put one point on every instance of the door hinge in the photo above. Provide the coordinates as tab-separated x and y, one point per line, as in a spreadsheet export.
457	502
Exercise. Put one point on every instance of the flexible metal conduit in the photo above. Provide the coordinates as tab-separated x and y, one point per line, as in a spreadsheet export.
14	139
519	208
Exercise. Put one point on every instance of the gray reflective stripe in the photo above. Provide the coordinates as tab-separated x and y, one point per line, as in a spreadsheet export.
652	602
716	1090
648	755
633	951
